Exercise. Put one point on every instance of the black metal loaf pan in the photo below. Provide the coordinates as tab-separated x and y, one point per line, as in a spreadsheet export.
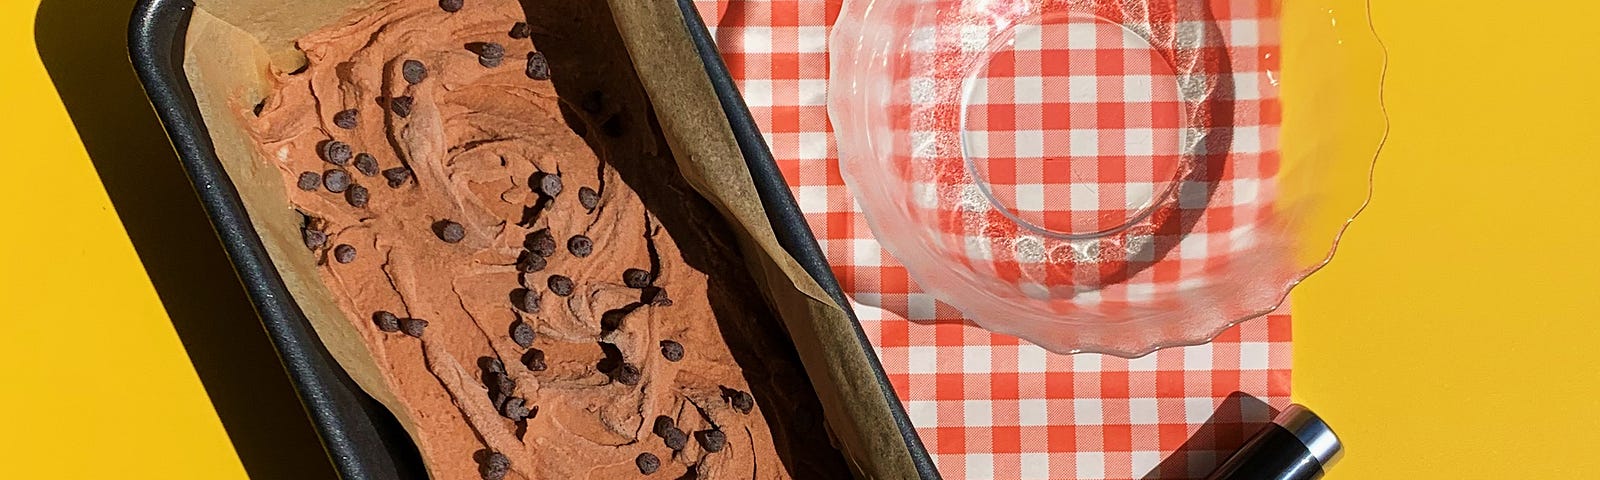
363	440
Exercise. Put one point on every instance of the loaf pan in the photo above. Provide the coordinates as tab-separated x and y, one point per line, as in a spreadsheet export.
362	439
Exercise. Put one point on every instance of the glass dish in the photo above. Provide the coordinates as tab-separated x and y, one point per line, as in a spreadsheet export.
1110	176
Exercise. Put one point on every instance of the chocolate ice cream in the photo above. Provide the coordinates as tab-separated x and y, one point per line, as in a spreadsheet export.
535	316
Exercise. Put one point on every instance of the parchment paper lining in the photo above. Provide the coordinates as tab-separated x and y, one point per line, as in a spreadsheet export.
231	45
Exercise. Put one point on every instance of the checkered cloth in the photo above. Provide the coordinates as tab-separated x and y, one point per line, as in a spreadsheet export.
1074	128
991	406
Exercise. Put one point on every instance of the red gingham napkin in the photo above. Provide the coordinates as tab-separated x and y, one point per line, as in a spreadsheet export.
991	406
1121	125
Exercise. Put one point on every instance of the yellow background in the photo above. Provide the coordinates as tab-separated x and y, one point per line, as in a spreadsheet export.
1454	337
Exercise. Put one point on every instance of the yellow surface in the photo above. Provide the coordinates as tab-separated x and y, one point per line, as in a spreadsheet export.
93	380
1456	334
1454	337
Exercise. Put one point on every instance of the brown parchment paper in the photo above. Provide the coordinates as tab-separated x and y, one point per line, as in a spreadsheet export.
232	43
703	143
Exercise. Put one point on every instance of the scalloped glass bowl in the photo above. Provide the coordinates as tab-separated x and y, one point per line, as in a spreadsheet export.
1109	176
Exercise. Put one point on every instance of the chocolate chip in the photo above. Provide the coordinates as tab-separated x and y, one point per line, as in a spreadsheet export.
366	164
334	152
309	181
453	6
675	439
491	364
520	30
344	253
742	401
413	72
489	53
496	397
663	423
487	49
547	184
712	440
413	326
337	181
522	333
541	243
593	102
655	296
534	360
672	351
314	239
538	67
346	119
401	106
259	107
647	463
449	231
515	408
525	300
386	321
636	278
580	245
627	375
529	262
356	196
397	176
501	383
495	466
588	197
560	285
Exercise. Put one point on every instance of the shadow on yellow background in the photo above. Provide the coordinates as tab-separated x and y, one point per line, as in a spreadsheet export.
84	46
